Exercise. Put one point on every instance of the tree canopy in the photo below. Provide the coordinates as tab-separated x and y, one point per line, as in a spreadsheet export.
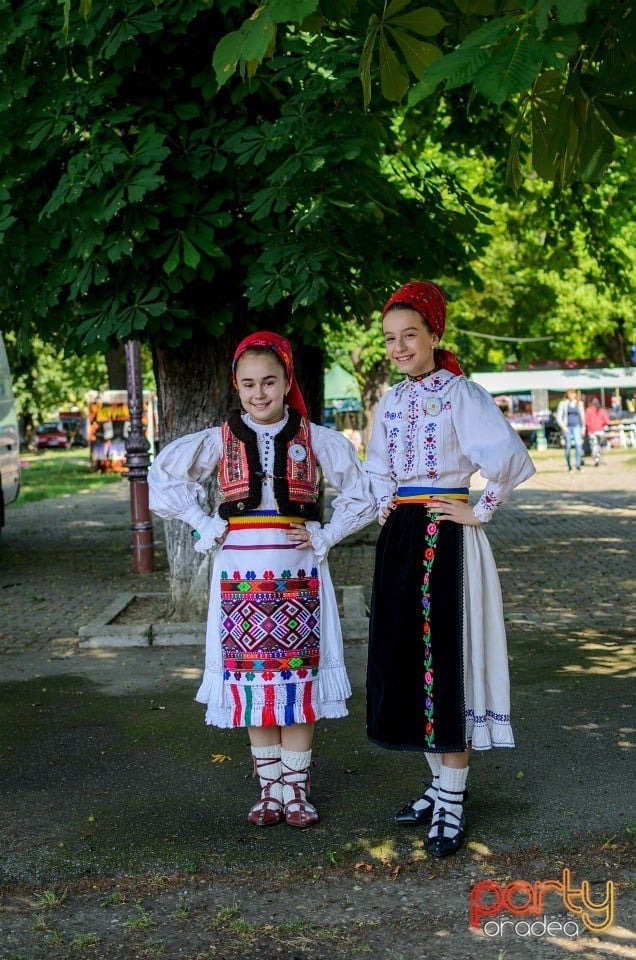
141	200
563	70
147	195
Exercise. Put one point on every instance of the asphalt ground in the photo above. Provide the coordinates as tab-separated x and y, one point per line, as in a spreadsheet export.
108	774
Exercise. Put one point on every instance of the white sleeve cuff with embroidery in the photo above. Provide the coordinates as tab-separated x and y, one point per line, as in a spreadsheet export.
486	506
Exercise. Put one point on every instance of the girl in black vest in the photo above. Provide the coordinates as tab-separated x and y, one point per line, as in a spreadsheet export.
274	655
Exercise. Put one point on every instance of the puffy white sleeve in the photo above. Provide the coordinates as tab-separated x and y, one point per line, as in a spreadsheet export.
175	484
486	438
377	465
353	505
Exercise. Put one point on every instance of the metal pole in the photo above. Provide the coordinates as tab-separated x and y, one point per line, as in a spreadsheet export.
137	462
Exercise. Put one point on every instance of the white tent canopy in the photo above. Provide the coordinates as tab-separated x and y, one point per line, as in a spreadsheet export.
558	381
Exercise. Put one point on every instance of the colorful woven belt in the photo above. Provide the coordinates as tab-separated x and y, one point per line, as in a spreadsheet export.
263	519
426	494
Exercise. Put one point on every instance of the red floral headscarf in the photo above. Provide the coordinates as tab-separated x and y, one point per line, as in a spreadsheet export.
282	348
429	301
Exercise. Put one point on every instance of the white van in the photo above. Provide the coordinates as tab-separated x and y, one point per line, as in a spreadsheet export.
9	438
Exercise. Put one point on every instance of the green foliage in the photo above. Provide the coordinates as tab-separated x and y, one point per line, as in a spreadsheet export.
567	68
570	68
149	202
395	29
45	381
560	264
255	39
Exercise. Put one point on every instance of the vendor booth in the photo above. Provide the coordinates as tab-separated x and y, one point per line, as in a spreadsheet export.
532	394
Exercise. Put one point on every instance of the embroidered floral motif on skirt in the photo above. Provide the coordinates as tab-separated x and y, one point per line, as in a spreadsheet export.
270	635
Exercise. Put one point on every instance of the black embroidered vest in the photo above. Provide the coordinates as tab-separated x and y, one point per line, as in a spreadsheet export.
296	478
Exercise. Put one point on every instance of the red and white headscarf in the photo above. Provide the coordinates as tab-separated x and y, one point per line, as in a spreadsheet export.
282	348
428	300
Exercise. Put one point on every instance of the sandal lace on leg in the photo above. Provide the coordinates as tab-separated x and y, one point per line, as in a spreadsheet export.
269	809
296	787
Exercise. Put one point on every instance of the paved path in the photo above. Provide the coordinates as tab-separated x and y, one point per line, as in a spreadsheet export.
564	546
105	764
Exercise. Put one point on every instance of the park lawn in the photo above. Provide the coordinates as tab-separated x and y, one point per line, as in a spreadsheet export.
57	473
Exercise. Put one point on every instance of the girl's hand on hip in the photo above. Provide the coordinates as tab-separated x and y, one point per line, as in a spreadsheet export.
456	510
299	534
385	513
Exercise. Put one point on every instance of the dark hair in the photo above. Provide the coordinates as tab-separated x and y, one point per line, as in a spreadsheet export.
398	305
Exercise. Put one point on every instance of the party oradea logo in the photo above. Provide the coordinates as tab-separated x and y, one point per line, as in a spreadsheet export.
525	903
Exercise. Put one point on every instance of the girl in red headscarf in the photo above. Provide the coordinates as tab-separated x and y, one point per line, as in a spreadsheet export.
274	656
437	678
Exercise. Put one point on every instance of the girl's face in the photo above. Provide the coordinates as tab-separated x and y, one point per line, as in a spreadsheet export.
262	386
409	342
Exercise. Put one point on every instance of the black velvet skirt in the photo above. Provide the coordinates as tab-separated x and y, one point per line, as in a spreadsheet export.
415	676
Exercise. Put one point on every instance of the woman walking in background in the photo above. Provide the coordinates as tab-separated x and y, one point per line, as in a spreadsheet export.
570	416
438	669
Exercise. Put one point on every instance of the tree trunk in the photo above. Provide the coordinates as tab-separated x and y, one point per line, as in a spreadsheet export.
194	391
616	344
116	367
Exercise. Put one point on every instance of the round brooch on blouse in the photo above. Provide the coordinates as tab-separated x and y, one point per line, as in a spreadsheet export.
297	452
432	406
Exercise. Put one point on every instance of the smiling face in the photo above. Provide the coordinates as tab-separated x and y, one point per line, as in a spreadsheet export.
409	341
262	386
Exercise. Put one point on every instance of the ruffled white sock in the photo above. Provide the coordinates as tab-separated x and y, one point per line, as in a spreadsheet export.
295	767
450	798
430	794
268	767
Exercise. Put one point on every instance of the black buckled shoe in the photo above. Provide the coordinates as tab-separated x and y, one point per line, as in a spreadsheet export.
441	846
413	815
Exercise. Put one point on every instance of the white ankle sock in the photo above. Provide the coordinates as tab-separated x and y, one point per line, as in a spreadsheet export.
295	767
450	797
269	773
430	794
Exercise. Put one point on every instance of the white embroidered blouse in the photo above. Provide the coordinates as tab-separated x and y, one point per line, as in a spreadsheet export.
437	433
177	472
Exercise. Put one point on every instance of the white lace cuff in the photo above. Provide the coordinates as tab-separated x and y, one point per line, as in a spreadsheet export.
208	529
486	506
318	539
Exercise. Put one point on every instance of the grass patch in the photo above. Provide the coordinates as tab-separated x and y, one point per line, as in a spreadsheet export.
58	473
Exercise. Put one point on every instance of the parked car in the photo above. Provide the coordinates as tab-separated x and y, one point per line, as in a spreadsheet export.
50	434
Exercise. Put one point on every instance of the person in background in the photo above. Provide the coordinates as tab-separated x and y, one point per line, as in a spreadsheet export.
274	653
596	419
616	404
437	679
570	416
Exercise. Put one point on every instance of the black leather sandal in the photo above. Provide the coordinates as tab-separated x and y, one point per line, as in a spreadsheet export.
411	815
441	846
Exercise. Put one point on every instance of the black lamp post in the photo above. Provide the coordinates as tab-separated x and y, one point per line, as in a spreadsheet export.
137	462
